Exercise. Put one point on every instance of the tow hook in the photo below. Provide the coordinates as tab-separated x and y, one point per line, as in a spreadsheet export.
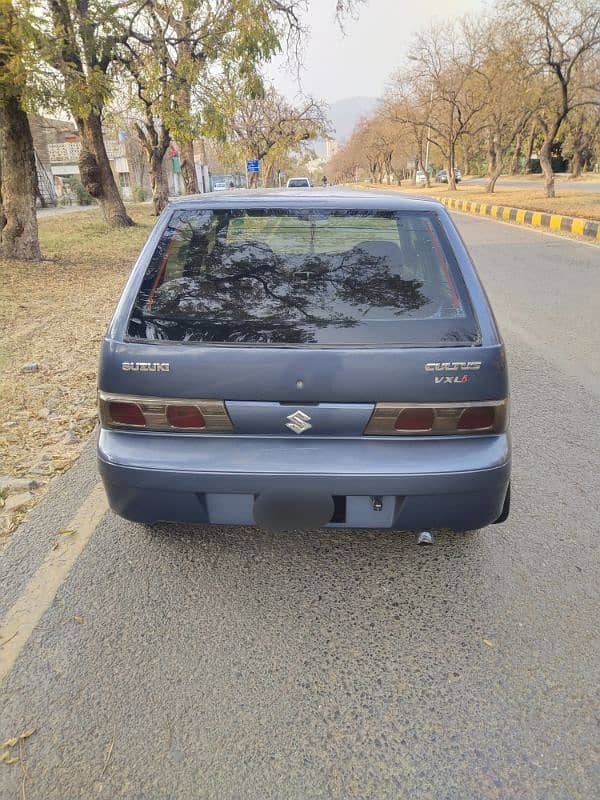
425	537
377	502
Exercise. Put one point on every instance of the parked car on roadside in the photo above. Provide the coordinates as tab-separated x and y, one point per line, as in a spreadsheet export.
301	360
420	177
442	176
299	183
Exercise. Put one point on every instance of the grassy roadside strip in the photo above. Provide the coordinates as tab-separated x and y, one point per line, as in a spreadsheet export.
572	213
52	316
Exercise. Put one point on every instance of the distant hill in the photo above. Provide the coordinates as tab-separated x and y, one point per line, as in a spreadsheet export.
344	114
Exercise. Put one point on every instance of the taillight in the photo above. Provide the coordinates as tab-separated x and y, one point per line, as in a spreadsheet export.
394	419
185	417
123	413
415	419
476	418
158	414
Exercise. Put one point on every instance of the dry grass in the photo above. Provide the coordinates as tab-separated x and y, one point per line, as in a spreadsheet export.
54	313
570	202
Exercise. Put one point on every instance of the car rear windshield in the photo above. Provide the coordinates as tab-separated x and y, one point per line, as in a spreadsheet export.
289	277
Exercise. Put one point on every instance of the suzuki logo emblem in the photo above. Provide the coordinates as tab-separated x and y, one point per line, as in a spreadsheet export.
298	422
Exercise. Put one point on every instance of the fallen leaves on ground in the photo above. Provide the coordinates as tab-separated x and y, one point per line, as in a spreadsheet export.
10	742
13	740
7	757
54	313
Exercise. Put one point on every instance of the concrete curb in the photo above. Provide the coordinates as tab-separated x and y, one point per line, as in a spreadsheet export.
585	228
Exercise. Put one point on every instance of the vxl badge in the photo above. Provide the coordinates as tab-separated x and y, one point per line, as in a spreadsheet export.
298	422
451	366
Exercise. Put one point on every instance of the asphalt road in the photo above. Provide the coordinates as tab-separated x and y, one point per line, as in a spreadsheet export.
232	663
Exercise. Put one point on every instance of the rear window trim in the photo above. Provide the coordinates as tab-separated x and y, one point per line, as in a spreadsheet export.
304	345
440	230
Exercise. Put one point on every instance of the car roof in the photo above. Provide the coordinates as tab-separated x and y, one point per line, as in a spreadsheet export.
326	197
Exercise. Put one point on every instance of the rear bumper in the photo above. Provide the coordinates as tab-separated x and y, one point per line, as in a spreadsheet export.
447	482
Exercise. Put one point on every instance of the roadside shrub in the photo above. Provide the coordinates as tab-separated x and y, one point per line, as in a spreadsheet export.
76	187
139	194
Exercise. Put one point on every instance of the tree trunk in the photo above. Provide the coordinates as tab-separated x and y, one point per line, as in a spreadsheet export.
155	144
576	164
158	180
514	164
96	173
466	158
184	102
495	162
18	185
373	170
268	174
546	164
578	147
203	160
418	162
493	176
188	168
450	168
530	143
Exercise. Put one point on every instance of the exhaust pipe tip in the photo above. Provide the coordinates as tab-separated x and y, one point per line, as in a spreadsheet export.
424	537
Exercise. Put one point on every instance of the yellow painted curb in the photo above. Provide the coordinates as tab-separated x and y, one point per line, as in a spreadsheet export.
577	226
555	222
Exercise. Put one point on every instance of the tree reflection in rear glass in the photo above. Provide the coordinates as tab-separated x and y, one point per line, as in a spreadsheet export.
272	276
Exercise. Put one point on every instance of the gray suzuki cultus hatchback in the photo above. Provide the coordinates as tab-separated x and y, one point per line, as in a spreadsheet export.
296	360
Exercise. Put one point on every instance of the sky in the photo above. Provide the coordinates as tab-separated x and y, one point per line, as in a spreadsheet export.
361	62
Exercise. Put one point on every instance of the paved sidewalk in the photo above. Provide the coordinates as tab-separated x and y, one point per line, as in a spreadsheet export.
55	211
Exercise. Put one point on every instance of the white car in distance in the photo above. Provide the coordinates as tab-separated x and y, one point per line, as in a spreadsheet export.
299	183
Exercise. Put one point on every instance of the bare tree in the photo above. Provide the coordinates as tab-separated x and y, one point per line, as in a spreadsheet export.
346	164
533	134
262	126
409	107
444	61
581	135
509	88
563	38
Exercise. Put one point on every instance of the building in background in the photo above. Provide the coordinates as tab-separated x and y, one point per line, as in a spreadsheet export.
57	145
331	148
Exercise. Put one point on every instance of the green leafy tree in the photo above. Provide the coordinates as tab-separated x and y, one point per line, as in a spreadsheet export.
18	178
79	41
259	124
240	34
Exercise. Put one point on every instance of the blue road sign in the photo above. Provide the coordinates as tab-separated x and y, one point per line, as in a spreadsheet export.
252	165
